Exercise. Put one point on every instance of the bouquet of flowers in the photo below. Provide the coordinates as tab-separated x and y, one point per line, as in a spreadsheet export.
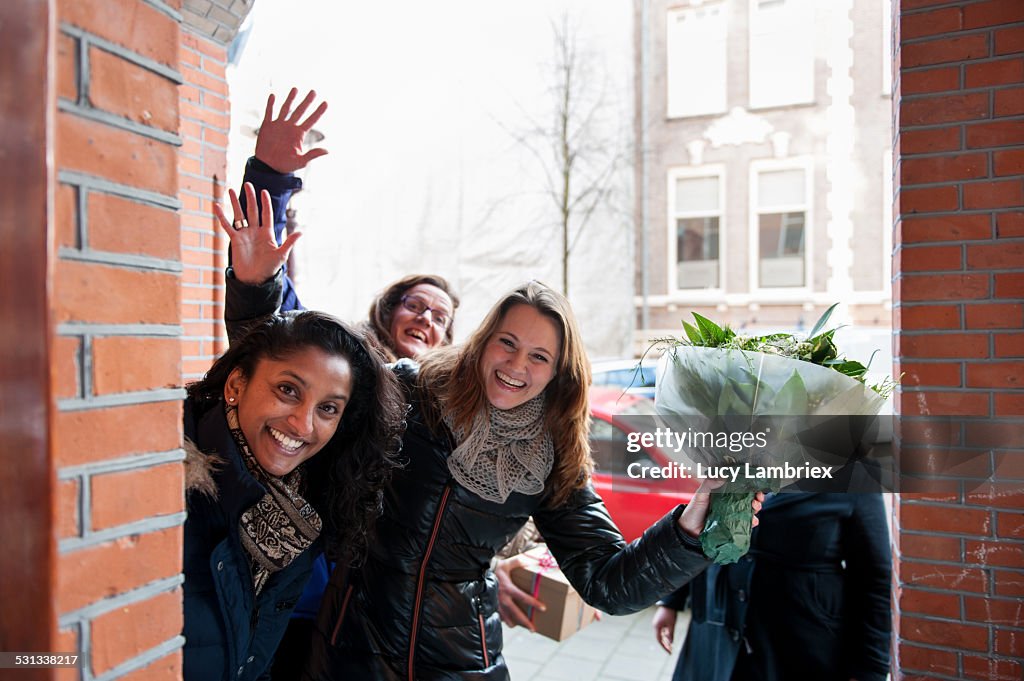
729	383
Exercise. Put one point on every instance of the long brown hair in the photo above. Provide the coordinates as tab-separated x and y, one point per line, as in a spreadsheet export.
378	324
451	378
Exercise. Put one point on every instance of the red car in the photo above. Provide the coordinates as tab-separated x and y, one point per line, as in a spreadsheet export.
634	503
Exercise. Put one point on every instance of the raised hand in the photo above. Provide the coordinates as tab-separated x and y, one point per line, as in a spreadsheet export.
255	255
280	141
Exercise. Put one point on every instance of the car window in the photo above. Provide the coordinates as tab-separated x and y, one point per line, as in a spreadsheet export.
608	446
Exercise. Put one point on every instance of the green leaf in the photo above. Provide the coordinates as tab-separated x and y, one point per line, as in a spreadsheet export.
822	321
693	334
847	367
823	349
791	399
712	332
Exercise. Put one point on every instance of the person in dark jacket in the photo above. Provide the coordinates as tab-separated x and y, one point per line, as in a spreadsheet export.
290	438
497	432
809	601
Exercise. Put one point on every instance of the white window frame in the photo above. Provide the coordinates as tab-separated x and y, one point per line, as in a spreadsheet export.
691	172
673	108
782	293
810	6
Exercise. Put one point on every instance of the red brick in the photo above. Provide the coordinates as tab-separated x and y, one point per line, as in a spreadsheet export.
997	434
933	403
87	436
952	463
950	634
1008	583
994	553
926	317
1009	40
943	79
1008	642
196	367
67	642
208	117
115	295
991	669
114	567
215	137
992	13
946	228
1001	72
930	518
953	577
994	316
117	155
996	256
932	374
1009	404
130	363
929	432
927	200
913	658
128	496
944	50
952	345
122	226
998	134
66	364
930	140
198	78
1008	102
131	630
1008	163
215	67
906	5
938	287
67	509
1010	525
1006	495
928	258
67	67
203	46
1009	285
925	24
167	668
1002	194
135	25
128	90
930	547
919	602
1010	224
65	215
944	168
944	109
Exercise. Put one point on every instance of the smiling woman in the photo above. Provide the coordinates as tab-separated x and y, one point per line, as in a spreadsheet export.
290	439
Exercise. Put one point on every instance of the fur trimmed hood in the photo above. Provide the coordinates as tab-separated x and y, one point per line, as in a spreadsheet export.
199	469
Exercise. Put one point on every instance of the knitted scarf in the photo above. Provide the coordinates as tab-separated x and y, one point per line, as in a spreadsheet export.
282	524
505	451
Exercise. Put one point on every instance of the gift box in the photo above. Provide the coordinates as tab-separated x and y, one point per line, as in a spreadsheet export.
566	612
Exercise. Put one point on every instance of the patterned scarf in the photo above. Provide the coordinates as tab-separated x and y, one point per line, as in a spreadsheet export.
282	524
505	451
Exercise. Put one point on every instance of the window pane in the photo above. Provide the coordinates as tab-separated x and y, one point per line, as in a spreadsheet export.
781	54
781	247
697	252
780	188
696	36
697	194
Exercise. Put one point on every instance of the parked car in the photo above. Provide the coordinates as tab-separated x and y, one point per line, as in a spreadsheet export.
635	377
634	503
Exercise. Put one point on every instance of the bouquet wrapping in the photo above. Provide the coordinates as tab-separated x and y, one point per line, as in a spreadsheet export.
722	383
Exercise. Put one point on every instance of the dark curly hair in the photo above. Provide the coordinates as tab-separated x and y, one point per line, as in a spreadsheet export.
378	325
346	479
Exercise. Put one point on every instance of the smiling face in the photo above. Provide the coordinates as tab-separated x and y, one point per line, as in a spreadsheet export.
413	333
289	409
519	358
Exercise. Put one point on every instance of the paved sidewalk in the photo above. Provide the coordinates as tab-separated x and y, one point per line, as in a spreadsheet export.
614	649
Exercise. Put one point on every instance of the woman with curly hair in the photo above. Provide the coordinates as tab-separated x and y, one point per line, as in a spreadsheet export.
290	439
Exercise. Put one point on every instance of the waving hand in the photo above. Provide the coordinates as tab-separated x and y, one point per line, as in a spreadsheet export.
255	255
280	142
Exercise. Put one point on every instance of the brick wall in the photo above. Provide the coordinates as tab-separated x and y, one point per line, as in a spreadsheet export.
202	166
959	325
117	355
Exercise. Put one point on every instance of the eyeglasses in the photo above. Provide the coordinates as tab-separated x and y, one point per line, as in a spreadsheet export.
438	318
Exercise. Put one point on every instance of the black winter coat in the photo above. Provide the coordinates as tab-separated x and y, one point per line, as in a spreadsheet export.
230	633
809	601
425	605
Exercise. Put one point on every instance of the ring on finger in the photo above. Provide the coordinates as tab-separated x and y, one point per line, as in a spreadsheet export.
240	224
